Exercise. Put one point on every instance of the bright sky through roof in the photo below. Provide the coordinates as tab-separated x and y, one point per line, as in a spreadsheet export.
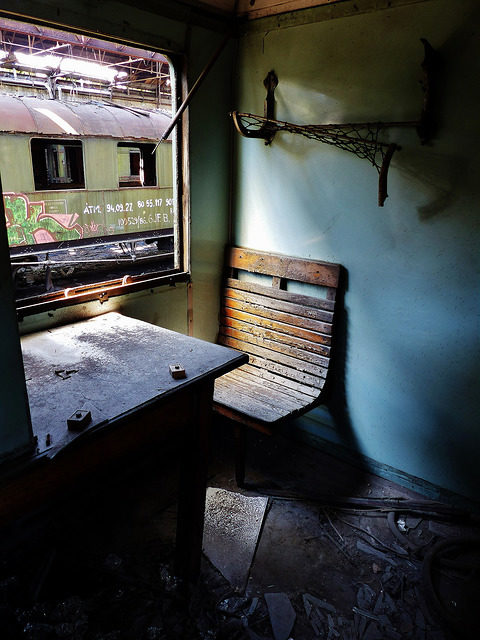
69	65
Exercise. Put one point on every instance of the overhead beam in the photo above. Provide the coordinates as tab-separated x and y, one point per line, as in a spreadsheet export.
284	14
75	39
262	8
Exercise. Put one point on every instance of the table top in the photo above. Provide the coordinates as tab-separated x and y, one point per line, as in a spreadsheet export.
110	365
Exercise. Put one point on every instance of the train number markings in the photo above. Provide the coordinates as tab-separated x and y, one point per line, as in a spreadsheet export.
91	209
119	207
149	203
152	218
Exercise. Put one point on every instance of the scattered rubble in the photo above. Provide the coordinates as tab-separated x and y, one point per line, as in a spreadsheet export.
282	614
421	584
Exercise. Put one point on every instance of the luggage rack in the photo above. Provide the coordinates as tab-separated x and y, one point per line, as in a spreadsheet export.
361	139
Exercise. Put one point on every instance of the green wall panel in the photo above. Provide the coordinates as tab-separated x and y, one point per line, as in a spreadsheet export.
404	390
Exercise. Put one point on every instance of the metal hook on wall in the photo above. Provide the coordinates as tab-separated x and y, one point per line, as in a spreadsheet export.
266	131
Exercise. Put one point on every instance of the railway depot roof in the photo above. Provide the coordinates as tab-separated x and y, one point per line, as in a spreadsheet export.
76	119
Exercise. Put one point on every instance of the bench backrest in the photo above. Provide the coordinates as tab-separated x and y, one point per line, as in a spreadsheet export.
286	334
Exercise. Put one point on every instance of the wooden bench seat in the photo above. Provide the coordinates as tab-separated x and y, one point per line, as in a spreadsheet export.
286	333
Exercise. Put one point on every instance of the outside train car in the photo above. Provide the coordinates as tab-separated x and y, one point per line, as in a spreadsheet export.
76	174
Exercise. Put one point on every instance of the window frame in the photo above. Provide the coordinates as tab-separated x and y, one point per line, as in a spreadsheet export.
45	146
102	290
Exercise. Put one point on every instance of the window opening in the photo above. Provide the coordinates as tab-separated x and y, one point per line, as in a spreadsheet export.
57	164
91	201
136	165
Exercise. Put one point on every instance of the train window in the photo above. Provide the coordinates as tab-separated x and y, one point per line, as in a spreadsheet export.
57	164
94	197
136	165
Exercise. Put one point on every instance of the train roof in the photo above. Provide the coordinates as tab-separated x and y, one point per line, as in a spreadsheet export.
39	116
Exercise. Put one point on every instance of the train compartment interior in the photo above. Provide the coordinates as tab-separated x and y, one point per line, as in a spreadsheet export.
141	146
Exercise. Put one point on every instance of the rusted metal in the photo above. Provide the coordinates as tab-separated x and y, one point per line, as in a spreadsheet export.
87	293
430	64
267	128
144	78
78	40
382	178
79	420
270	83
177	371
55	118
360	139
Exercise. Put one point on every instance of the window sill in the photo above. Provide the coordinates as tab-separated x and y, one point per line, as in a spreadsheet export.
102	293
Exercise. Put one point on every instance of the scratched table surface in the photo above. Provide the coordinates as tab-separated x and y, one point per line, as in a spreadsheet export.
110	365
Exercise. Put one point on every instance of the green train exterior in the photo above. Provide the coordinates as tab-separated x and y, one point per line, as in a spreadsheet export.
108	204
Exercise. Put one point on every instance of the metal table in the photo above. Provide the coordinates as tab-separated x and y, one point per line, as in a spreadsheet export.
118	369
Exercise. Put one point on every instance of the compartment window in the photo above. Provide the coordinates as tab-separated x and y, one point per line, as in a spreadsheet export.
136	165
57	164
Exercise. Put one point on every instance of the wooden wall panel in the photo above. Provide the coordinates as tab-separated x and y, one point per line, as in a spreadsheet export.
257	8
262	8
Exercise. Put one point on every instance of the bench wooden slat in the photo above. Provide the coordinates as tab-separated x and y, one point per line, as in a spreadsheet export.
281	327
307	379
267	334
255	409
289	361
300	269
260	300
246	405
295	352
272	396
253	379
281	294
279	381
279	316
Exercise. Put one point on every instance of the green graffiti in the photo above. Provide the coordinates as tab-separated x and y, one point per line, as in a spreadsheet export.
23	222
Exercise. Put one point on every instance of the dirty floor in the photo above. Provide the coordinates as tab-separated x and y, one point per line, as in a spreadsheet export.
312	548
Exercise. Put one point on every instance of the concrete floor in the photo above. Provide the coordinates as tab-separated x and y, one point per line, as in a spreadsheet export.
99	567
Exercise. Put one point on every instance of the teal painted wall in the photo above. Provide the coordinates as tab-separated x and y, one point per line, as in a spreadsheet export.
209	171
210	130
406	394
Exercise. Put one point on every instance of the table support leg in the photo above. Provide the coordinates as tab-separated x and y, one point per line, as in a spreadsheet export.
192	490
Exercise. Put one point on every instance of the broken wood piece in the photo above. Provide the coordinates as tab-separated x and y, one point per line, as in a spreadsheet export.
365	596
232	605
366	548
309	600
232	528
65	374
319	620
282	614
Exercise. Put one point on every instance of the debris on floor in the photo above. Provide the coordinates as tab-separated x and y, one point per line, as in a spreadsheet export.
232	526
358	582
275	567
282	614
